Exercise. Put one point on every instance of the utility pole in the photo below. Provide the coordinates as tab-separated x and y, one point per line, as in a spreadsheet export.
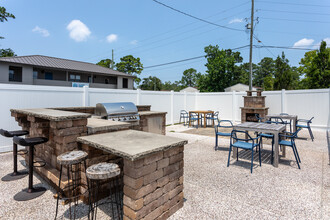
251	45
112	60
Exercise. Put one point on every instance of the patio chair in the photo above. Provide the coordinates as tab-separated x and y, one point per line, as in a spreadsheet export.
194	117
222	124
247	143
291	143
307	125
259	118
287	122
275	120
184	116
212	117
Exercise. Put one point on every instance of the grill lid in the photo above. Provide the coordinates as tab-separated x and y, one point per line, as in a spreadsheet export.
115	108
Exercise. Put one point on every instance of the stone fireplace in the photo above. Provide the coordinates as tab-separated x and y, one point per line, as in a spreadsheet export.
253	104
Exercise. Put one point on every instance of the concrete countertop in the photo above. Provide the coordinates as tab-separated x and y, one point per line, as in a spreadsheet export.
51	114
131	144
96	125
151	113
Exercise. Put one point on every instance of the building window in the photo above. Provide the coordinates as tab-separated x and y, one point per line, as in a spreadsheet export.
48	75
74	78
35	74
15	74
125	83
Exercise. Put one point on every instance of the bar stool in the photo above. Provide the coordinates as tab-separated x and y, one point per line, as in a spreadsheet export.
95	174
30	192
16	174
73	161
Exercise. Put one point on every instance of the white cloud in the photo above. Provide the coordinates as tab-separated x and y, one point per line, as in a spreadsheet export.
112	38
134	42
236	20
78	30
327	40
303	43
42	31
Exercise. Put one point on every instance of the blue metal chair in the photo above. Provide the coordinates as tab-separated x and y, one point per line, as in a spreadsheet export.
307	125
275	120
259	118
222	124
212	117
248	143
184	116
287	122
291	143
194	117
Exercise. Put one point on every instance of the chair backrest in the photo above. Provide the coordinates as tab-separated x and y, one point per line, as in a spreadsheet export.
258	117
310	120
193	114
183	112
234	136
225	124
275	120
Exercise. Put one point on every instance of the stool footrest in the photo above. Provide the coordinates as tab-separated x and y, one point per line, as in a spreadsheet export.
41	162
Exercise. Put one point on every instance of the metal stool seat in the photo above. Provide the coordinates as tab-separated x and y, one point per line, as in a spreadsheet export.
30	192
73	161
96	175
16	174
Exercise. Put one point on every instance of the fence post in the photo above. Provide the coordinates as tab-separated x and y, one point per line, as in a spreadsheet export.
234	105
283	107
85	96
138	94
172	107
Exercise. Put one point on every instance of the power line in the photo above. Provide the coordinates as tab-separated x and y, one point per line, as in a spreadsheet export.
294	12
284	47
285	3
193	58
283	19
200	19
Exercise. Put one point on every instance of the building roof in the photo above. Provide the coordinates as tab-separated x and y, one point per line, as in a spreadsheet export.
59	63
189	89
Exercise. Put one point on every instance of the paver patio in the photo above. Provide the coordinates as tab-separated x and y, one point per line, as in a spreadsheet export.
214	191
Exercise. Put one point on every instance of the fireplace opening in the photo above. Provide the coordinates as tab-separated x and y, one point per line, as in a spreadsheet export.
251	117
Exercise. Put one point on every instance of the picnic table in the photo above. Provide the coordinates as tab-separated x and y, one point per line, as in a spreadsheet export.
274	129
204	113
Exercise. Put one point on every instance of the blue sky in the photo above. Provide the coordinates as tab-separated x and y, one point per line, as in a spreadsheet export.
88	30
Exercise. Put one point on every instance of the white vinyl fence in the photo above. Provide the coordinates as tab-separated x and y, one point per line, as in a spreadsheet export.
304	103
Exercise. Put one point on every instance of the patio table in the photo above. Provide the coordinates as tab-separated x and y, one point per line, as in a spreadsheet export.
274	129
204	114
292	118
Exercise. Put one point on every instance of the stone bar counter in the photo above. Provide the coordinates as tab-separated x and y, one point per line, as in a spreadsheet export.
61	128
152	170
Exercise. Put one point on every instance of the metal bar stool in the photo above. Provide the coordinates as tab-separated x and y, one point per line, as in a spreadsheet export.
30	192
73	161
16	174
95	174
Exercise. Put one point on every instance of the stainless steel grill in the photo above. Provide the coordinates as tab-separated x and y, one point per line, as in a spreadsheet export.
118	111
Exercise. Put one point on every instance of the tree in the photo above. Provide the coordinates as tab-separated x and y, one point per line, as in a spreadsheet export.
151	83
285	77
106	63
220	69
264	74
130	65
7	53
4	15
189	77
315	66
242	73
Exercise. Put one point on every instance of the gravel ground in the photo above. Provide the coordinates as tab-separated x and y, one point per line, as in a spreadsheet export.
213	190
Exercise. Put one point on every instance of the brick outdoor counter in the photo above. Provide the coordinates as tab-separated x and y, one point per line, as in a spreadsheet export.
153	171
